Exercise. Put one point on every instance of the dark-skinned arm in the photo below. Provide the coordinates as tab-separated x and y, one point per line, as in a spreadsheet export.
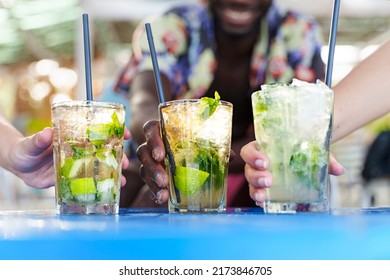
144	102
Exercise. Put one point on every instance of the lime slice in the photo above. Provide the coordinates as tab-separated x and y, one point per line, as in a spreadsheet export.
99	133
67	167
81	186
189	180
75	167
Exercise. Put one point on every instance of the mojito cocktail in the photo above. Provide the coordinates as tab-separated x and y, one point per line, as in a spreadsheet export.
197	136
293	126
88	150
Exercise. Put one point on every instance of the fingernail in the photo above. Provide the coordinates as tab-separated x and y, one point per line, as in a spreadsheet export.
159	179
259	197
259	203
264	182
159	196
156	153
261	163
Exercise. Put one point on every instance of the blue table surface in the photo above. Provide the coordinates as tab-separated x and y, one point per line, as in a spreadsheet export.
153	234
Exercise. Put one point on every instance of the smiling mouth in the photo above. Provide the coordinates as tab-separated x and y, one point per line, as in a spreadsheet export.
238	16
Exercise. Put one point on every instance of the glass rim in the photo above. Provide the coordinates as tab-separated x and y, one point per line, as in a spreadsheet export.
192	100
88	103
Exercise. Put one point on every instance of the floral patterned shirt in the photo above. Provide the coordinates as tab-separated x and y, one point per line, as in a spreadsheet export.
289	45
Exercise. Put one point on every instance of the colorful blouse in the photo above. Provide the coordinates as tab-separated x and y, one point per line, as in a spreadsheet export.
289	45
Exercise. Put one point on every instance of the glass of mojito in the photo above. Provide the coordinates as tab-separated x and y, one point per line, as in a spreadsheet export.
88	150
293	126
197	137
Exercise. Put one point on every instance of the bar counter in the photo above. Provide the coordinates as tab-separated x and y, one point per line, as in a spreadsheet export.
153	234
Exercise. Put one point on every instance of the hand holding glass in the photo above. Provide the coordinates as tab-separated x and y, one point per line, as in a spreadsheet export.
88	151
293	126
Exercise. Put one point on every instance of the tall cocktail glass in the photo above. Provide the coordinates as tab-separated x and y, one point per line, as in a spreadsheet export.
197	136
88	150
293	126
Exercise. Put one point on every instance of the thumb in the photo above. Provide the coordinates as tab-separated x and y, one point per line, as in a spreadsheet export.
39	142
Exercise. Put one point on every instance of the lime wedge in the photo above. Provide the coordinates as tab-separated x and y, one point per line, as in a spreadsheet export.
75	167
99	133
189	180
80	186
67	167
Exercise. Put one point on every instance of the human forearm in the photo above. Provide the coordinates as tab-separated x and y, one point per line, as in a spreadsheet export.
144	102
9	136
363	95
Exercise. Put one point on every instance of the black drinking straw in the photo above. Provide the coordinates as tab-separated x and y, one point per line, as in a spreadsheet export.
87	57
332	42
156	69
160	93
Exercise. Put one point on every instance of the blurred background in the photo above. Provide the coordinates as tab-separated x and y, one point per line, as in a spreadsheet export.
42	59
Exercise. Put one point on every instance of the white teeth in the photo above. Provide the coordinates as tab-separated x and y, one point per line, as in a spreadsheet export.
235	15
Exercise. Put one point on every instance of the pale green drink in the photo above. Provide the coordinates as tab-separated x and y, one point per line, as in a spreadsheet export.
293	127
88	150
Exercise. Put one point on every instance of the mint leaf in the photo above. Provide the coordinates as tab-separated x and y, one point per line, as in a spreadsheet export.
208	106
115	127
307	163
